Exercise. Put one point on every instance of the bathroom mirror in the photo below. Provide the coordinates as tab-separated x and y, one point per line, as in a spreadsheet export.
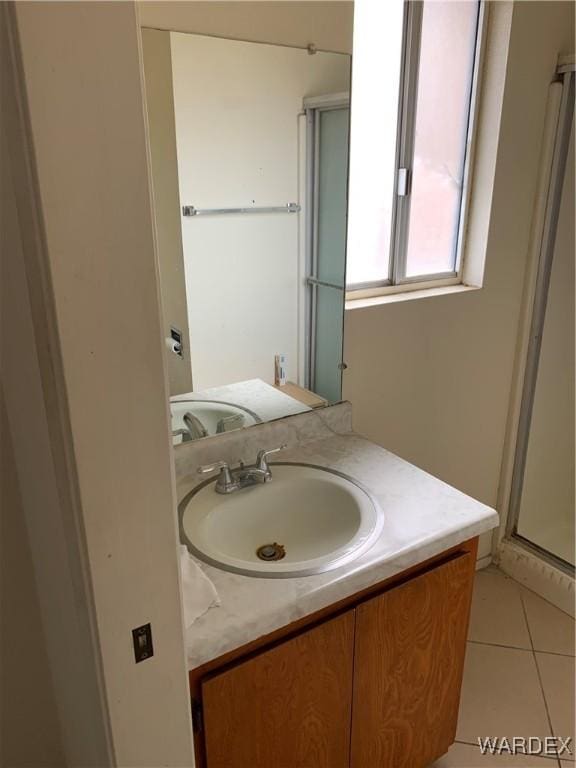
249	165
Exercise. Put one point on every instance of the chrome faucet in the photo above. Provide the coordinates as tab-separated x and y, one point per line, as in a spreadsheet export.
194	426
183	433
193	429
230	480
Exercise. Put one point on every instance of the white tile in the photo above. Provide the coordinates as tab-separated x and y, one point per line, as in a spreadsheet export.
493	568
467	756
501	695
497	613
551	629
557	673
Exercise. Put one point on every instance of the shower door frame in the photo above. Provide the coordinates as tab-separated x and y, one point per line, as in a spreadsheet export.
566	76
312	107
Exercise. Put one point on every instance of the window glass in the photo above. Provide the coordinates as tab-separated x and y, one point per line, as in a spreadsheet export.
375	85
442	109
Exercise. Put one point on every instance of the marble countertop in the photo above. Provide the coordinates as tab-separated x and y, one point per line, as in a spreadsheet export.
423	517
261	398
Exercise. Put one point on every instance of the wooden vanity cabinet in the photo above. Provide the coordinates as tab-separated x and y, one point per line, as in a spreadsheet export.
408	664
373	682
288	706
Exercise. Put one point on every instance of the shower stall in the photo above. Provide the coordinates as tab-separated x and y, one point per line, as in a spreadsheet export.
540	522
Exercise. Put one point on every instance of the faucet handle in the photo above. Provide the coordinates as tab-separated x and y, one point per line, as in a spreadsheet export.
261	462
226	483
205	468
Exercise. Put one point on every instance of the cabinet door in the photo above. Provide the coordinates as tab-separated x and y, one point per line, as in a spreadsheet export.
288	707
408	664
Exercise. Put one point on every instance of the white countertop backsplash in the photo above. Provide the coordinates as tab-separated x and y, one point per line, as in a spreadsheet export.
423	517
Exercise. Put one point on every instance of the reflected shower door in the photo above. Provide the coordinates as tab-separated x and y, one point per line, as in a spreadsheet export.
328	248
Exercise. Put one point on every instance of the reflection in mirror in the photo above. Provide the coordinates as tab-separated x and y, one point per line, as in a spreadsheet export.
249	160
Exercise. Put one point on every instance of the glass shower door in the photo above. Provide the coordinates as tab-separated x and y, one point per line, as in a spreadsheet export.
546	515
542	500
329	170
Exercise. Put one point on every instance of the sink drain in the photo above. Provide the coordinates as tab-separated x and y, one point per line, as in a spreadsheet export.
271	552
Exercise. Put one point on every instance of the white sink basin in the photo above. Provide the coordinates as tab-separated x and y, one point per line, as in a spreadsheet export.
211	413
321	519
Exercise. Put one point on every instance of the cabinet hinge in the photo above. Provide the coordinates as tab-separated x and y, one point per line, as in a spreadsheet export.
197	718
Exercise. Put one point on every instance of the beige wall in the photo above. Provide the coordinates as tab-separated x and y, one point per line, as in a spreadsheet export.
81	70
326	24
29	726
164	169
430	378
46	595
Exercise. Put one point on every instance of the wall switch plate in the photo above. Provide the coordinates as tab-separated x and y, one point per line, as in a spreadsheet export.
142	640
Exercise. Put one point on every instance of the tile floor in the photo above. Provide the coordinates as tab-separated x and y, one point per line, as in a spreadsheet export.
518	677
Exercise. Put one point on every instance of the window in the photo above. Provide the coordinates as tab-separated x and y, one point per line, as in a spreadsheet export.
412	85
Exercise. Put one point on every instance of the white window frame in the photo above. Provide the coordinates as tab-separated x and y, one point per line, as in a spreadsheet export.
397	282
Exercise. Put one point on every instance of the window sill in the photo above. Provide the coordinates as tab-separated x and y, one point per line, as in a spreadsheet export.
393	298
